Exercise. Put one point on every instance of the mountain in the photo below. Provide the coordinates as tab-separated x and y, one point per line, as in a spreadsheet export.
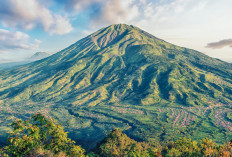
34	57
39	56
123	77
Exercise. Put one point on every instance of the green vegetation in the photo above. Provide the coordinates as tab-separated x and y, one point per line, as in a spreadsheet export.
119	144
123	77
39	136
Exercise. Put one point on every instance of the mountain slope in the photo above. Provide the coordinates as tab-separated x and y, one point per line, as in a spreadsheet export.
122	76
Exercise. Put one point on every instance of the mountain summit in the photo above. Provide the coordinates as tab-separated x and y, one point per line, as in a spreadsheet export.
39	56
122	76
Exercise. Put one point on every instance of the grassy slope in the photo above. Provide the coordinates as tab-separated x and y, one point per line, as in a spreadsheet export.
124	77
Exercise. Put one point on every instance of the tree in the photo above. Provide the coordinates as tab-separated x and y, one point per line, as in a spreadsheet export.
182	147
208	147
39	135
118	144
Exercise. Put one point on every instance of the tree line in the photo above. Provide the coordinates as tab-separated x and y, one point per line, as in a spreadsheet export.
42	137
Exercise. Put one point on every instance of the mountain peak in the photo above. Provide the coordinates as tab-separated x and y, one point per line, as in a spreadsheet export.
120	27
108	35
39	55
114	33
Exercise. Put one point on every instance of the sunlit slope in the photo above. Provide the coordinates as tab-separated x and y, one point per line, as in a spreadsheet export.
128	78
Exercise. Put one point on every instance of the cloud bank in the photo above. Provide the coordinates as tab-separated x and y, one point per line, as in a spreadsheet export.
145	13
117	11
102	12
220	44
16	41
29	14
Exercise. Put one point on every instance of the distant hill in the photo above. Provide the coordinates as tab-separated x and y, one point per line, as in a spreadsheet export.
39	56
123	77
35	57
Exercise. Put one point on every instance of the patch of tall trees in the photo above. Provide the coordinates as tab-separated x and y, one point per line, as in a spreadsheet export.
41	137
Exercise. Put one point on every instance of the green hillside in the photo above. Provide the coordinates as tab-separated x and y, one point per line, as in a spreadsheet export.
124	77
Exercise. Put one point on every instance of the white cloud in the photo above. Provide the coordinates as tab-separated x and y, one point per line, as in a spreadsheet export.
29	14
114	11
82	4
118	11
62	26
16	41
104	12
144	13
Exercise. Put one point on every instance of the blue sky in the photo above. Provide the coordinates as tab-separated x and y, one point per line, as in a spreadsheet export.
29	26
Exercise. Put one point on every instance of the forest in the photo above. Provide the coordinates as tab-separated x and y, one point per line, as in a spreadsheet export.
44	137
